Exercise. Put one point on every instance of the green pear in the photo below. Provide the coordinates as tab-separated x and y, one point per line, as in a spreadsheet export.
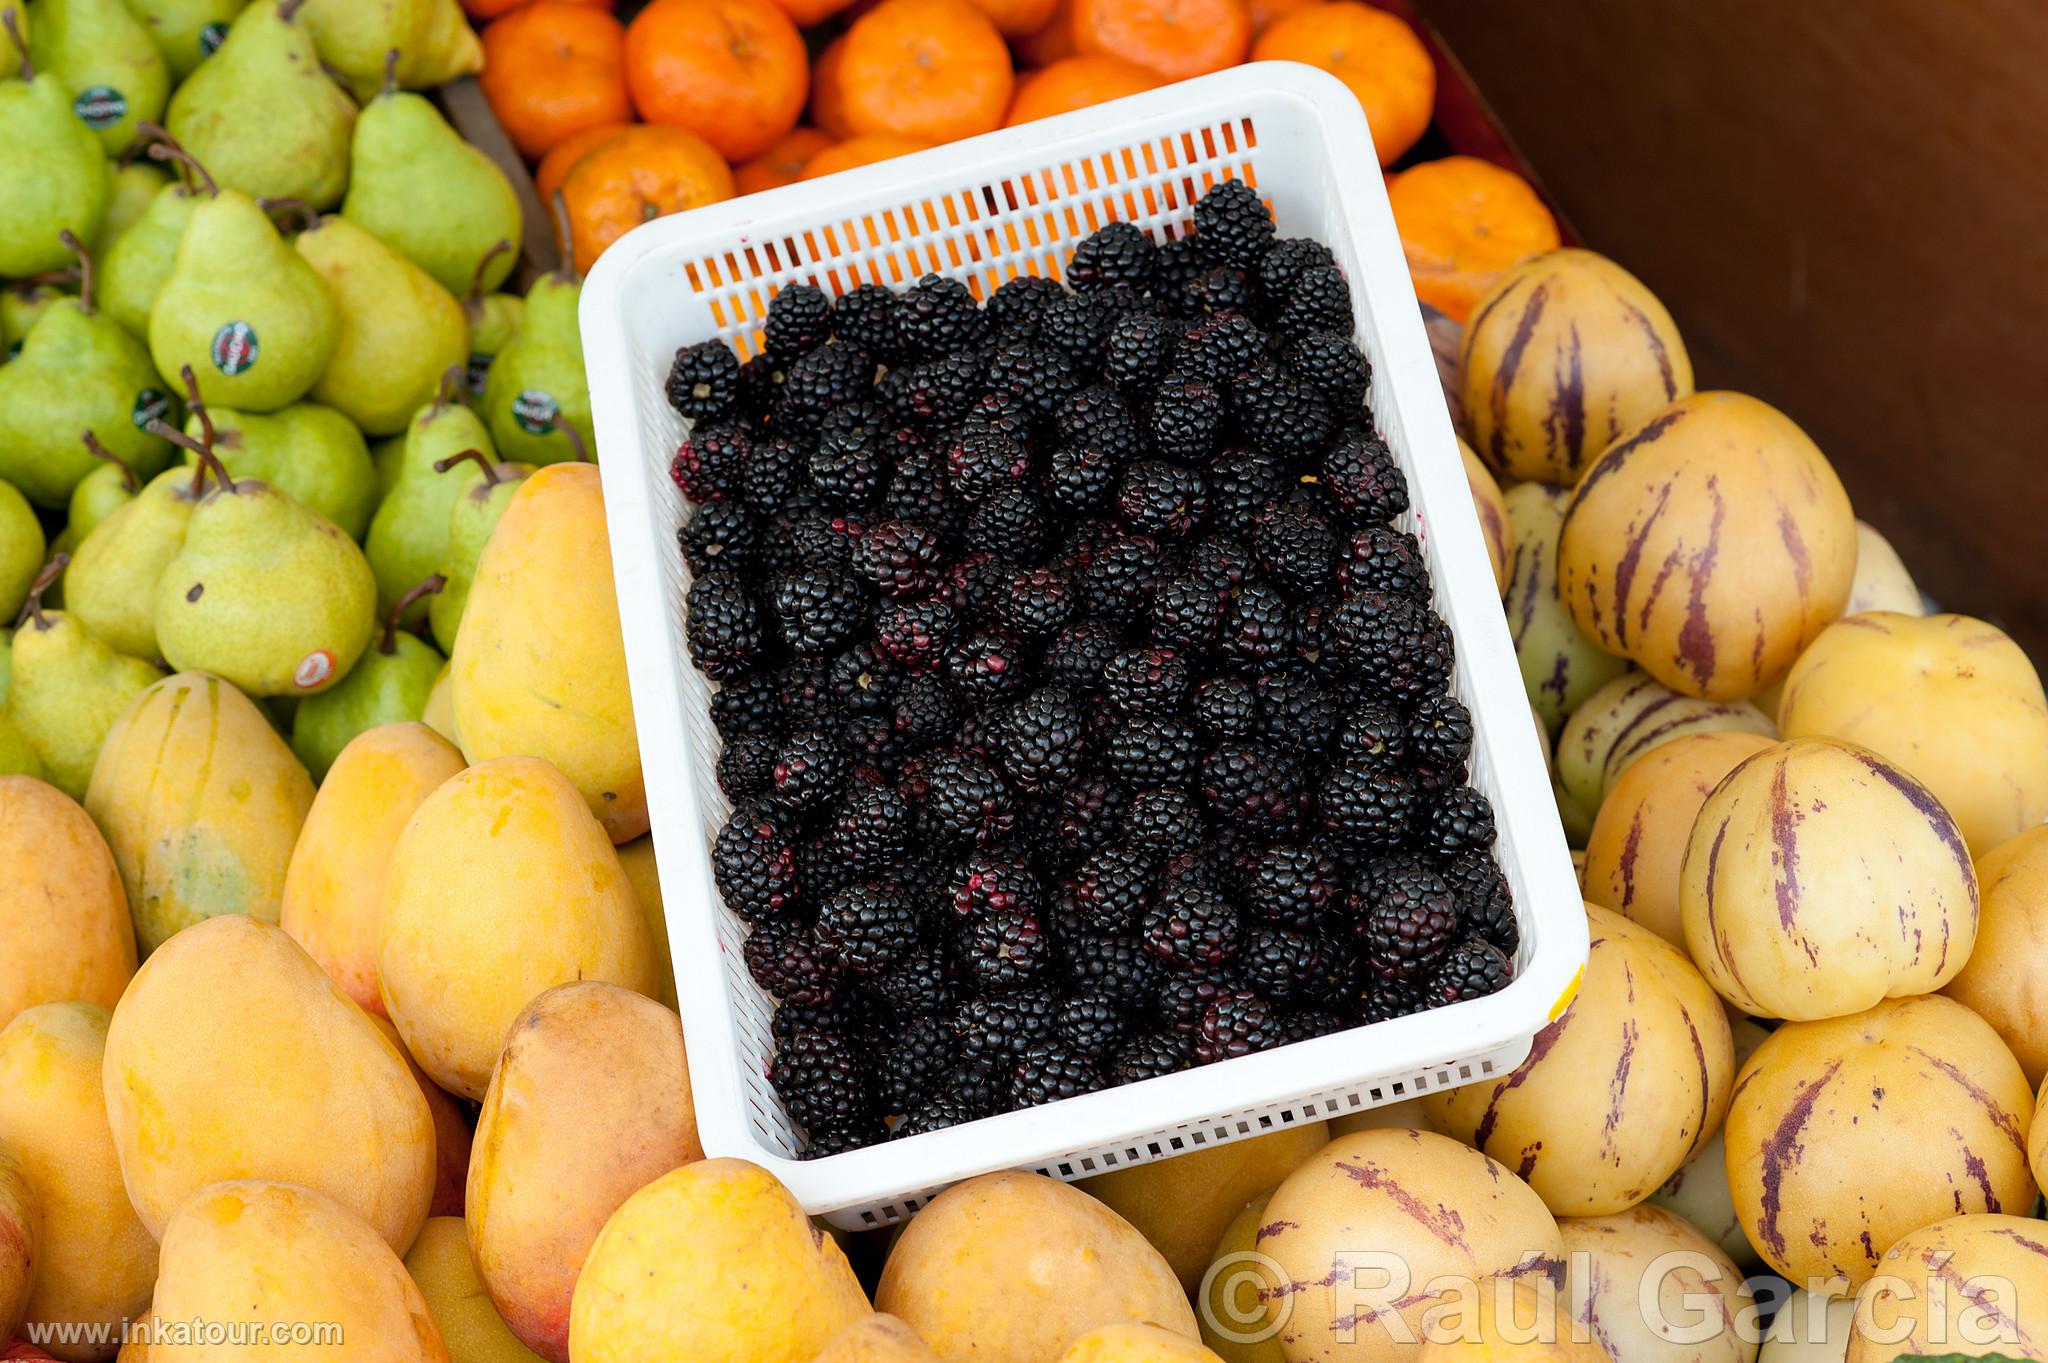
469	529
493	321
358	38
400	330
388	685
21	307
536	397
420	189
134	269
53	175
111	65
111	586
78	370
388	455
187	32
262	114
130	191
312	454
13	40
18	755
243	310
448	50
264	592
408	539
68	687
6	661
21	549
98	495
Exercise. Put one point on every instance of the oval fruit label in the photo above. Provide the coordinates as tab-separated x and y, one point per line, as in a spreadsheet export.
211	37
150	405
313	670
479	371
535	412
235	348
100	106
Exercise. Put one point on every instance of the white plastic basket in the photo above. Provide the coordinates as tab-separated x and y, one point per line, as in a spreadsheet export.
984	210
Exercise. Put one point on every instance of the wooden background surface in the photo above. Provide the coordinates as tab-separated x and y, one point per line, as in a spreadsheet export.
1842	202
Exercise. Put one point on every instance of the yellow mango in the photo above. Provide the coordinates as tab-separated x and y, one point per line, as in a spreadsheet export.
716	1263
1135	1344
2004	981
1847	1134
1620	1266
589	1104
1951	701
539	666
233	1056
1618	1093
1709	545
334	887
1968	1285
21	1241
1820	879
293	1262
501	887
452	1136
98	1258
68	931
470	1326
201	802
954	1274
1182	1205
440	712
637	859
877	1339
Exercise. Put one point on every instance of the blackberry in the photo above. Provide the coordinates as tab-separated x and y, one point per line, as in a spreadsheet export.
822	870
1220	348
1190	923
979	1087
1440	735
921	490
799	320
916	984
991	883
867	320
1113	966
1036	602
1375	737
1089	814
1320	301
1145	752
723	627
1187	615
786	963
1242	484
1340	978
1257	788
1080	653
1221	288
817	610
1161	498
1385	560
1367	809
1227	707
1307	1026
925	715
988	665
1014	307
1185	995
1291	887
1280	414
822	1083
810	767
1359	471
966	802
1097	415
1187	412
1334	368
1284	265
752	706
938	316
805	536
1076	327
1109	891
871	828
914	1065
1296	713
1084	477
808	696
851	1014
711	463
938	391
1139	347
866	927
1180	261
1116	253
850	464
1150	1056
1147	682
1398	645
915	633
1118	584
1383	1000
995	1031
1294	545
762	382
1013	521
1163	822
1035	375
704	381
718	535
1237	1025
1474	969
780	463
754	865
1233	225
985	459
1092	1025
1486	906
831	376
1461	820
746	767
1412	922
934	1115
1049	1072
971	584
1258	627
1282	965
901	558
1040	740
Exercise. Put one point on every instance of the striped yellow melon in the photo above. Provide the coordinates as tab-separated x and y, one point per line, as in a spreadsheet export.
1710	545
1566	353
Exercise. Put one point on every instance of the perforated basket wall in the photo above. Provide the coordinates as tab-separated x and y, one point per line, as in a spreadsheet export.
983	211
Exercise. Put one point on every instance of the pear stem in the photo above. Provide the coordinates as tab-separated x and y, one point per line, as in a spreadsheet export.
453	380
26	286
391	72
476	281
209	462
77	248
388	645
12	21
483	461
288	9
164	147
99	451
308	215
197	405
32	609
575	438
565	236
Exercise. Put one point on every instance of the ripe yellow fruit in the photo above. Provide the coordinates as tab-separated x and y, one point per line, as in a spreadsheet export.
2003	982
1966	1284
68	931
1622	1265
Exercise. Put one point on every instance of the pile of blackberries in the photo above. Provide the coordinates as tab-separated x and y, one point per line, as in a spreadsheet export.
1084	715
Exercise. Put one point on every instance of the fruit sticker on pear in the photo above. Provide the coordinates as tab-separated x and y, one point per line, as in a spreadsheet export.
100	106
313	670
535	412
211	37
151	404
235	348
